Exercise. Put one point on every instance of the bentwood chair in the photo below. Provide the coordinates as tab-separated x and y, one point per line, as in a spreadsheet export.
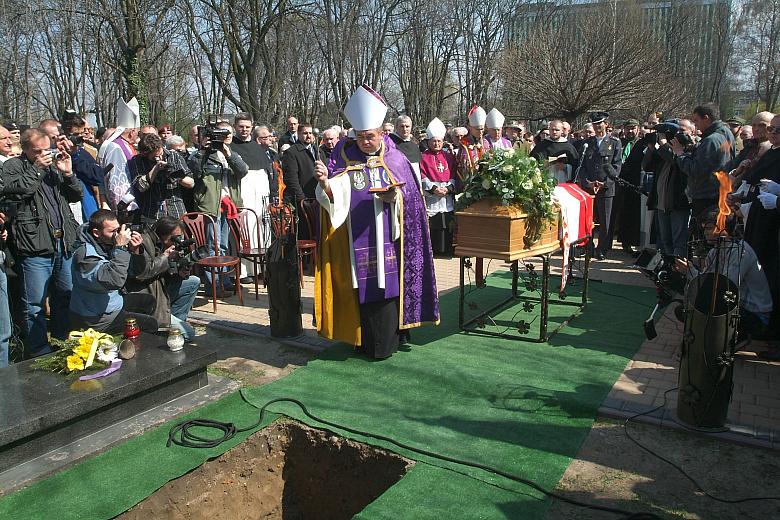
307	247
243	233
197	225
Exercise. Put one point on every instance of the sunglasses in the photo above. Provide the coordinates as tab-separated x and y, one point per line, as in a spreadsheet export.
773	129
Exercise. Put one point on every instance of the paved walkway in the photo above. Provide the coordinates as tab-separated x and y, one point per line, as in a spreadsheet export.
754	413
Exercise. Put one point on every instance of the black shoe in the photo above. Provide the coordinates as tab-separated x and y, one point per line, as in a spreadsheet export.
630	251
247	279
599	255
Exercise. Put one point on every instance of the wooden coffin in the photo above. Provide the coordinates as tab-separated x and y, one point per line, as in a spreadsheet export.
486	229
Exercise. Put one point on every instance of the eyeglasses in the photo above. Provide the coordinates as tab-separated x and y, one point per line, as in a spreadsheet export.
773	129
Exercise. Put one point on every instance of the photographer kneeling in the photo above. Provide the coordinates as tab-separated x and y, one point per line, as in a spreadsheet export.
99	270
161	267
732	257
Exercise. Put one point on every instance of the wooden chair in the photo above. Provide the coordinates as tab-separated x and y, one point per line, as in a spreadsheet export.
307	217
197	225
242	235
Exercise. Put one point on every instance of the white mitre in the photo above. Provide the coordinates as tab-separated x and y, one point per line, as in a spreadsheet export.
436	129
495	119
477	116
128	115
365	110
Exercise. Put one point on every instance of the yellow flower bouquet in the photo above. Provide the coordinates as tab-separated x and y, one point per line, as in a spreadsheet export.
83	350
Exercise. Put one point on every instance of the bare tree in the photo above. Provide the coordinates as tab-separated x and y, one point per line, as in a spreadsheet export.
574	63
422	57
353	38
760	49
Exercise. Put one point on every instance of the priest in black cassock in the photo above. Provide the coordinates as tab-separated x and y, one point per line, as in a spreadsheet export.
402	137
257	187
627	206
557	153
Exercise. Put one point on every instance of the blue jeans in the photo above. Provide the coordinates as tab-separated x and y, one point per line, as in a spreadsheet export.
673	231
38	274
181	294
5	319
223	230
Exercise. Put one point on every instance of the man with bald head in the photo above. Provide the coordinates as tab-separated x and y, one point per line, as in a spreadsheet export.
290	137
329	139
557	153
6	144
754	147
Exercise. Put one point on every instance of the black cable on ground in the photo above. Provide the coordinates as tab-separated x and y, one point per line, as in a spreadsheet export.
182	435
678	468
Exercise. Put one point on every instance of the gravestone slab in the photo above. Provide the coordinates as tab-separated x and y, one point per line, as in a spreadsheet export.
41	411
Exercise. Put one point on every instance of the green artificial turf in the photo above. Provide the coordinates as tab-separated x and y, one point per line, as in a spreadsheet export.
522	407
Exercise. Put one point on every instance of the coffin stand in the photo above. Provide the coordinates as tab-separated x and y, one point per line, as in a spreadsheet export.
486	229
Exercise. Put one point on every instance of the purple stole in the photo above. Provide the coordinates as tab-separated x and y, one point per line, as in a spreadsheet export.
118	183
502	143
411	255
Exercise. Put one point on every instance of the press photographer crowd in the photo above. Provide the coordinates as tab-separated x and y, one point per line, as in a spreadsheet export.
92	230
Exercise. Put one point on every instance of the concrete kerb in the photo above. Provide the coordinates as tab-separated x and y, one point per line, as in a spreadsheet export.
304	341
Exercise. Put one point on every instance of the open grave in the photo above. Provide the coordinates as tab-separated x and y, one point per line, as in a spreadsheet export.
285	471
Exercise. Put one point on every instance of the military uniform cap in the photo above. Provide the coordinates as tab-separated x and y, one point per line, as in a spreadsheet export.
598	117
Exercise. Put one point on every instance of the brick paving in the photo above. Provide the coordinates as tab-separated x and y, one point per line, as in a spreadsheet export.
754	412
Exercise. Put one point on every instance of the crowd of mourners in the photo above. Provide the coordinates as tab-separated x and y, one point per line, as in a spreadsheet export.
91	217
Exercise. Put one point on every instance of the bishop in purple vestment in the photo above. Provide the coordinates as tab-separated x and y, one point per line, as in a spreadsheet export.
375	274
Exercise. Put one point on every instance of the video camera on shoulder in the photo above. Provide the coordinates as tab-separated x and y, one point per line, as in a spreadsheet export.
215	135
672	130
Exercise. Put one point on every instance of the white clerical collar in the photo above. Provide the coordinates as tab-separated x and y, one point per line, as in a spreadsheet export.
3	158
559	140
402	139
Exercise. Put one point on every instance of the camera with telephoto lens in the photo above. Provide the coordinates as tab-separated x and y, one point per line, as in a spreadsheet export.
128	217
182	244
184	260
215	135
